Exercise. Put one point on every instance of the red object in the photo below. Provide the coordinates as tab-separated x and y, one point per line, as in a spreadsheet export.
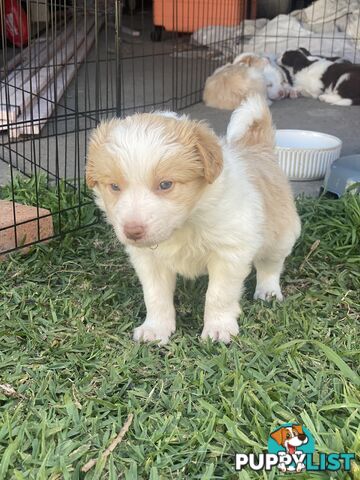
190	15
16	27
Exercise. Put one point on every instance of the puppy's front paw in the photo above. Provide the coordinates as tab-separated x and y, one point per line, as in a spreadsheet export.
153	332
267	292
293	93
220	331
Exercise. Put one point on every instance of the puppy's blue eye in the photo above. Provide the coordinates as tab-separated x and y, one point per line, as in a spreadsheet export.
115	187
165	185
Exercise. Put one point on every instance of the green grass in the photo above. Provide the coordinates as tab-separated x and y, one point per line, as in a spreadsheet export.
67	311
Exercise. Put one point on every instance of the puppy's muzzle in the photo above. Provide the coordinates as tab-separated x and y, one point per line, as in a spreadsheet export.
134	231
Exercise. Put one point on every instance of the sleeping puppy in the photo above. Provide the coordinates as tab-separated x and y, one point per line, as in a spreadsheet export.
230	84
319	57
249	73
335	82
277	85
183	201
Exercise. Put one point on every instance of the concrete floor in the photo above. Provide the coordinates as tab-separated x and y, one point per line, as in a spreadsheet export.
156	74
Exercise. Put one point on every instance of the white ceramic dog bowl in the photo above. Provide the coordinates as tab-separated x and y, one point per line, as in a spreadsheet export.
306	155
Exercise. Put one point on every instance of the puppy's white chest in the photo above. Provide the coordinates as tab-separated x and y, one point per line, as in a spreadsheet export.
188	257
309	81
309	86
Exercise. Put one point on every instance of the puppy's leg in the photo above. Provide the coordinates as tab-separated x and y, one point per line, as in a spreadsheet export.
268	271
335	99
293	92
158	284
222	299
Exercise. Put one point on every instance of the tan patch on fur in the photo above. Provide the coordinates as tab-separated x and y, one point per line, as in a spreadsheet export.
257	148
227	88
199	153
198	163
100	167
252	61
261	132
187	194
209	149
278	201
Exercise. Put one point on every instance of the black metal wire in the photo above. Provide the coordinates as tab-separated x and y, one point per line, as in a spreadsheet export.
117	75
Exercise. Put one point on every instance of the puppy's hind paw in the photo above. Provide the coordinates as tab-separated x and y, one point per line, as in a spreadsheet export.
220	332
153	332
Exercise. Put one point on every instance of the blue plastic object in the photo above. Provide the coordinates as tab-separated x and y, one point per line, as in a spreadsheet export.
343	173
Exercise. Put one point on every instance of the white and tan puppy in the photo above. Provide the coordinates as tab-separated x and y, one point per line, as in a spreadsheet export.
277	86
249	74
230	85
182	201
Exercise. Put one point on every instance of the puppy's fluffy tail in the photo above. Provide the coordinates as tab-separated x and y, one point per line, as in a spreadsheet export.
251	124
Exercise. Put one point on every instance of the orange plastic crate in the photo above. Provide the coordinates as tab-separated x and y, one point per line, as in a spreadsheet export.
190	15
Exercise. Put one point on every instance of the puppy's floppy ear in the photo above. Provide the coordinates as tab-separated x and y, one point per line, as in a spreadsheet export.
304	50
296	59
95	144
209	150
278	435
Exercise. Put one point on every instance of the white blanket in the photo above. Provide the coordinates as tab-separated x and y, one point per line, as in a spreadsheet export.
327	27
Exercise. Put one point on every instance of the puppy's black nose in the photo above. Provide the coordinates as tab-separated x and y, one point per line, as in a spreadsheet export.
134	231
302	436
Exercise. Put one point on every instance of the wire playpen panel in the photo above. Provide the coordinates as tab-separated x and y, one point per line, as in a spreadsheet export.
67	64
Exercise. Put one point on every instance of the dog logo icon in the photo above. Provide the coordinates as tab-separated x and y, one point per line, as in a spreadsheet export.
291	441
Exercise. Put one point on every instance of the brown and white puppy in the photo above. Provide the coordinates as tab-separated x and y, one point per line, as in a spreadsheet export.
277	85
249	73
230	84
183	201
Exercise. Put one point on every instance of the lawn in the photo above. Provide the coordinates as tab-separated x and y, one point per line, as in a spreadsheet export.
67	312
